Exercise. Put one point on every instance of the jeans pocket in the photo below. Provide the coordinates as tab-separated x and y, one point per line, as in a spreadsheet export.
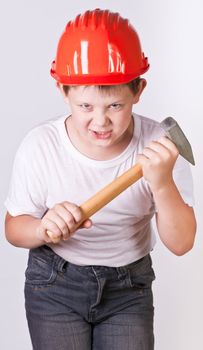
142	274
40	269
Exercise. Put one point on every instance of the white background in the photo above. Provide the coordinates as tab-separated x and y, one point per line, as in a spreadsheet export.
171	35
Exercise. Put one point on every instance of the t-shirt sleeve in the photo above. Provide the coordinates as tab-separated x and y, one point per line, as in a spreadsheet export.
27	189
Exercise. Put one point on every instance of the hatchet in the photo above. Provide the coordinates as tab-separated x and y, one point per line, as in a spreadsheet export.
121	183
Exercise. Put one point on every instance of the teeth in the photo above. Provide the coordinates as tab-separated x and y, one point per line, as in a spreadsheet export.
102	132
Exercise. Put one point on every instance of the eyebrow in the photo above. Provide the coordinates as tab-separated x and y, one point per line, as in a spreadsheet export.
118	101
89	103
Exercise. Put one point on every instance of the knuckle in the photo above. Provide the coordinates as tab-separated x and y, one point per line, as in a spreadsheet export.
76	213
55	229
64	227
70	222
75	209
57	207
65	230
152	144
164	139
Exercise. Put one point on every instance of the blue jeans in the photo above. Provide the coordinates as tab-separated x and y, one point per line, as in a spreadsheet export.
72	307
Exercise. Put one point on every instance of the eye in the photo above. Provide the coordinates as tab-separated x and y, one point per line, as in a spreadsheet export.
86	106
116	106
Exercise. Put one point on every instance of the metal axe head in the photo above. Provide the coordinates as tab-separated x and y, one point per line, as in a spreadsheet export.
175	133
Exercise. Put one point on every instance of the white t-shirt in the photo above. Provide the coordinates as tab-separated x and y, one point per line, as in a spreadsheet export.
48	169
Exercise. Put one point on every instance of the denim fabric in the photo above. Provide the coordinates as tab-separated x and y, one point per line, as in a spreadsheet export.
71	307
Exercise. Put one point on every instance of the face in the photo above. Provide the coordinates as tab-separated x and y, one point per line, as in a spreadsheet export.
101	124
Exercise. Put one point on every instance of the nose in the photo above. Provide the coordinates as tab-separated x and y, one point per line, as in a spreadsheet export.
101	118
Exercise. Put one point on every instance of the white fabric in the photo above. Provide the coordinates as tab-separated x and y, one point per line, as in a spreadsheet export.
48	169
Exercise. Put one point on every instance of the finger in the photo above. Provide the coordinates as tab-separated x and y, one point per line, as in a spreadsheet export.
56	215
158	147
150	157
157	151
142	159
74	210
165	141
52	238
87	224
67	223
151	153
46	236
42	234
165	148
64	220
52	227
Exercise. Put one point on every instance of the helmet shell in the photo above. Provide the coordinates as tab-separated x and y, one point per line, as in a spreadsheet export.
98	47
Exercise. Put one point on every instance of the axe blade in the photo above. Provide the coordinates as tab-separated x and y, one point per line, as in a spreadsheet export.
177	136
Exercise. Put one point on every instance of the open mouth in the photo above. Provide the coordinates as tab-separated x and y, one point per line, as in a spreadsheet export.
101	134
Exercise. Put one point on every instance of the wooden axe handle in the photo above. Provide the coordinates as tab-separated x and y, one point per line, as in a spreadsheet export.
107	194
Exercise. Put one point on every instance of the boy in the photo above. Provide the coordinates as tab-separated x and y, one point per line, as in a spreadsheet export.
92	290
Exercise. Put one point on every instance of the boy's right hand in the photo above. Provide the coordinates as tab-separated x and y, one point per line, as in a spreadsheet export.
60	222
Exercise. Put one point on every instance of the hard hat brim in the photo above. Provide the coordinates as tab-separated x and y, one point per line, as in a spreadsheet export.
86	79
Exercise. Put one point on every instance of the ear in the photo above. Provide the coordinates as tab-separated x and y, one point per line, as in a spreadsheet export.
60	87
142	85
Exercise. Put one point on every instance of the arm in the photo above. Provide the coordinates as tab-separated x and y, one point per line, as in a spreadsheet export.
28	232
21	231
175	220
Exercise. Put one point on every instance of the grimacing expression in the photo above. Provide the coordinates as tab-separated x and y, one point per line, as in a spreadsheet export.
101	118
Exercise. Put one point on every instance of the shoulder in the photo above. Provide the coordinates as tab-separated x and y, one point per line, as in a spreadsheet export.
148	124
149	129
42	137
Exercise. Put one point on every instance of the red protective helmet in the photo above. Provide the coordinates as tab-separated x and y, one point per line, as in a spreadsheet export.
98	48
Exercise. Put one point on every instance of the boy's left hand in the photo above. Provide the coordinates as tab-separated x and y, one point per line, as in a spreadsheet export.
158	160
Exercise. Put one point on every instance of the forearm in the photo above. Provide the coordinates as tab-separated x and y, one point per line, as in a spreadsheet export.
21	231
176	222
